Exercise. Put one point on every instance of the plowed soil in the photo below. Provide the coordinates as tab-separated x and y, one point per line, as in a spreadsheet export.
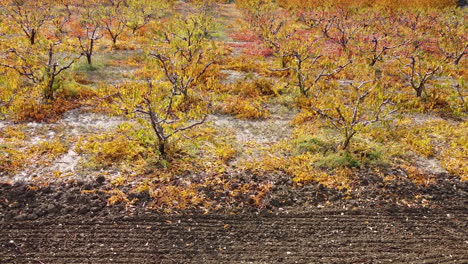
62	224
411	236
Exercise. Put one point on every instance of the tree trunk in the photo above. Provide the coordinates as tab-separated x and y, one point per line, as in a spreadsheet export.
162	148
32	38
114	42
89	54
347	141
419	91
48	91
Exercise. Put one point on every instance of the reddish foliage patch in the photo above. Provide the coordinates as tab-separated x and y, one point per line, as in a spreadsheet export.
244	36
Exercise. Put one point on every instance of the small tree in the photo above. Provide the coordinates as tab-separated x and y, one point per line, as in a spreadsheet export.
41	65
169	113
320	20
295	48
339	26
376	46
275	28
140	12
349	108
344	30
61	17
304	64
184	51
259	14
452	39
29	16
87	29
171	97
419	70
113	19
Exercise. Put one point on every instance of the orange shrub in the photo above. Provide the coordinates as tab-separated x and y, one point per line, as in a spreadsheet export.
243	108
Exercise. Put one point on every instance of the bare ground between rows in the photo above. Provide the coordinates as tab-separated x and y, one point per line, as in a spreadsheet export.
377	223
320	236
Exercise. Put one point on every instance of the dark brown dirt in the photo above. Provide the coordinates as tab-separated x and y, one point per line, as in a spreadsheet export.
375	222
322	236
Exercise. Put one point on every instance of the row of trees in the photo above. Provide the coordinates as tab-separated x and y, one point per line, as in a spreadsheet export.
367	3
353	64
39	43
40	40
82	19
348	66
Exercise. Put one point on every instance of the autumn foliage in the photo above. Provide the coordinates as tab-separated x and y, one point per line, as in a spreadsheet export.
320	91
368	3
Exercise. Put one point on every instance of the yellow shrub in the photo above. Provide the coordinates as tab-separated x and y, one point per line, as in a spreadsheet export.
32	110
13	133
302	169
303	117
246	63
51	148
110	149
455	161
16	153
225	152
12	159
420	143
243	108
252	88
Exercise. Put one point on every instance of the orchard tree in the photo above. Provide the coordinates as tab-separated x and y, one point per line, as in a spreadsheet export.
114	19
339	26
320	20
307	68
171	94
452	39
419	69
296	49
257	12
419	61
344	29
41	65
141	12
167	112
417	29
353	106
378	39
275	28
29	16
184	51
87	29
377	47
61	18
